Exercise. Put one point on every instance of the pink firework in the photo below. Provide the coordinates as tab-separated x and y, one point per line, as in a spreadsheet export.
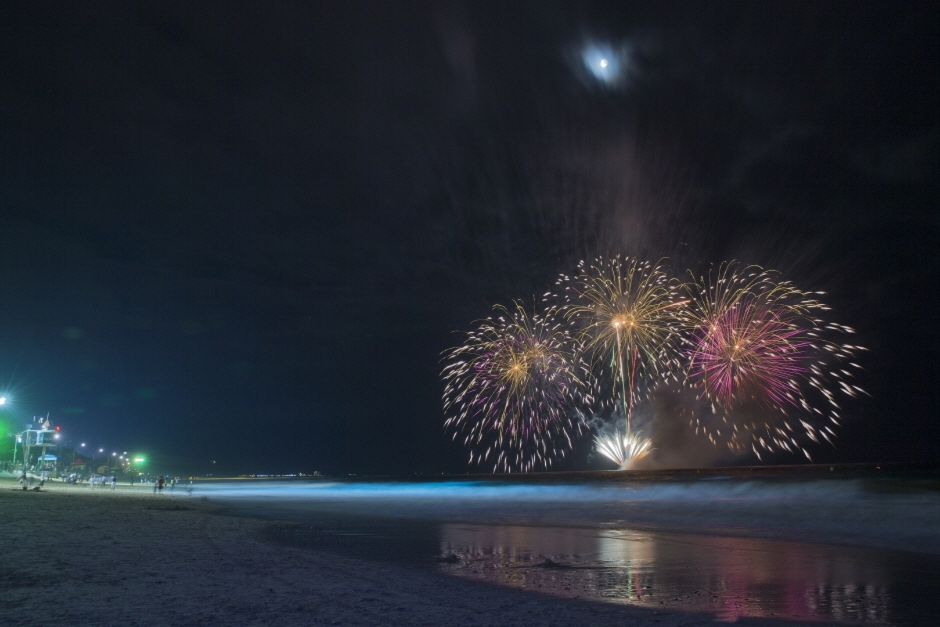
750	352
770	365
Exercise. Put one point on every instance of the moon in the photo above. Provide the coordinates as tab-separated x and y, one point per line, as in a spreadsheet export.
606	63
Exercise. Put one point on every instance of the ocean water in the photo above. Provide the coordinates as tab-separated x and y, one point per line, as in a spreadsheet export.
847	544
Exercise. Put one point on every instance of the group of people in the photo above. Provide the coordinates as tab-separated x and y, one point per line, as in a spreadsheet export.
100	481
165	482
26	480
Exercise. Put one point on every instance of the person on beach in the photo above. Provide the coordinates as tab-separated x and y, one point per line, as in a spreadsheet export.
113	482
160	484
42	479
154	487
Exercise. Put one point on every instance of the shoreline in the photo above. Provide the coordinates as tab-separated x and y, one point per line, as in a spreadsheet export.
73	555
923	471
890	514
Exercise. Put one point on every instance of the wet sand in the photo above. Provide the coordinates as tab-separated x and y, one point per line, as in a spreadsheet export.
76	556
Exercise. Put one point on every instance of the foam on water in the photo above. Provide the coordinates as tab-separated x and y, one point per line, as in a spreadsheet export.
494	491
839	511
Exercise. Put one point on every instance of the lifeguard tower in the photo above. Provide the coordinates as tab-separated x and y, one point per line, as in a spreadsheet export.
43	438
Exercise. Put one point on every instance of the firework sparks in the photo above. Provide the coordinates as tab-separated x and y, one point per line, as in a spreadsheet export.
763	366
759	353
750	351
629	313
512	390
624	450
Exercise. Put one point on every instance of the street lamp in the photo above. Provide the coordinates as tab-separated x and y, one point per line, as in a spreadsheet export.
74	451
17	439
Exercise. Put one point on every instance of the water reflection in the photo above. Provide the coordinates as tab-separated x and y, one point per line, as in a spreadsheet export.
725	576
581	539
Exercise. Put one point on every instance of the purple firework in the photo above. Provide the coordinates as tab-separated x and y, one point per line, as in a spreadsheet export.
750	352
762	355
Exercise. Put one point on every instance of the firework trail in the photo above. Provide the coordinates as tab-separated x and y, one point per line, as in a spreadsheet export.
629	314
513	389
623	449
761	357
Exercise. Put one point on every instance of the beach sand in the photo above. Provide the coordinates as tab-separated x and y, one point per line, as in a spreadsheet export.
70	555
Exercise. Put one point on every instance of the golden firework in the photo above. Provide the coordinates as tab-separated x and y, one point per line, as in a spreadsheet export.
629	313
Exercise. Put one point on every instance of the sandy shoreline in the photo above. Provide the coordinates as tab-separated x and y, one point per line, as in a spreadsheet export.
74	556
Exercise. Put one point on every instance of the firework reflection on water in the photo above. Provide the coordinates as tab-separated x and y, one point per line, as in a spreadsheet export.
727	577
730	542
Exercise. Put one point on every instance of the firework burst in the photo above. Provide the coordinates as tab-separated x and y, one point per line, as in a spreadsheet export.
761	356
623	449
628	312
513	390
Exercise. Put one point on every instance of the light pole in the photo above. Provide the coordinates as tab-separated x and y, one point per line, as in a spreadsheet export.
74	455
58	450
17	439
15	436
138	464
3	401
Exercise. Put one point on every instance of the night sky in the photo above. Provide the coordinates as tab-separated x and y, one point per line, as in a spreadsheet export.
246	232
